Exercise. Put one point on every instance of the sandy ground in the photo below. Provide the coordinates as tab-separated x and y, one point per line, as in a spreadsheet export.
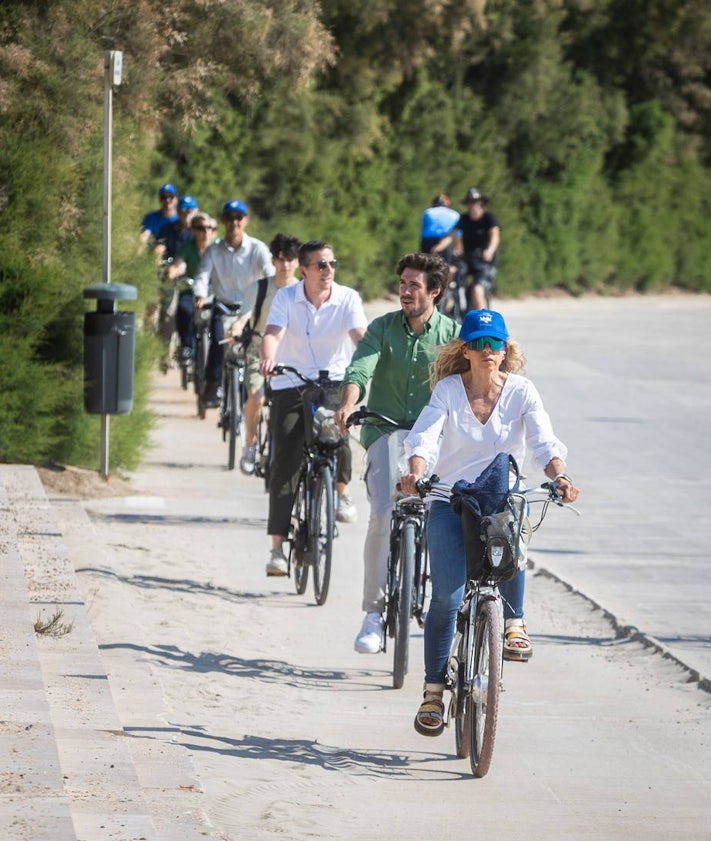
279	729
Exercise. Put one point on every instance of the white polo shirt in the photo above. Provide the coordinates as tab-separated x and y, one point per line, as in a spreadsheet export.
315	339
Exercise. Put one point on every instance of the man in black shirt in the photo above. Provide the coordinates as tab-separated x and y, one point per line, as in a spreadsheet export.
480	242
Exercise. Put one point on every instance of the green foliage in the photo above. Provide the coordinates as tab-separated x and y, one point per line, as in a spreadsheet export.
588	124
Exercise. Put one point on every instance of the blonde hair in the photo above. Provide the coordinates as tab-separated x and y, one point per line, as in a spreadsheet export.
451	360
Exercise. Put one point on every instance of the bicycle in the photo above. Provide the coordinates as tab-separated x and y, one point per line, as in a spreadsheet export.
185	356
262	462
475	664
313	515
407	570
203	317
234	386
453	301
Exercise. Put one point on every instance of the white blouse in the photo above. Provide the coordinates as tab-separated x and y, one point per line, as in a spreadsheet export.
456	445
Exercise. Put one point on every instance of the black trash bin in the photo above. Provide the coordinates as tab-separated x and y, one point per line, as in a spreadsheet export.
109	350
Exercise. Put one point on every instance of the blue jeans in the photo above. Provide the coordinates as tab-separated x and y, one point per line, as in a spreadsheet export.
448	570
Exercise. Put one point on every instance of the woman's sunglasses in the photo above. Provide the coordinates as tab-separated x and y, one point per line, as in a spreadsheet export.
481	343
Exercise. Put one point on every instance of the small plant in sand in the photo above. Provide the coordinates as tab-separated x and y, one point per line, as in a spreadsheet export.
53	627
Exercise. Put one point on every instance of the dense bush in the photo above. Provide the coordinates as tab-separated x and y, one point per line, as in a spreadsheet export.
587	123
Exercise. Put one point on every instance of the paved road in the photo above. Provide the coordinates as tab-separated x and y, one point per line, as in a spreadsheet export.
280	729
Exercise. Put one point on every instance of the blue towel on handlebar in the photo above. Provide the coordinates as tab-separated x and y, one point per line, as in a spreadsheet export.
487	493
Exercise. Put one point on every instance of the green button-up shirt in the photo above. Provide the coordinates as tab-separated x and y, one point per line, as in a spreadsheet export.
398	362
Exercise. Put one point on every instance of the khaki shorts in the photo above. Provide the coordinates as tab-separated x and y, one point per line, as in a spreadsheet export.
254	380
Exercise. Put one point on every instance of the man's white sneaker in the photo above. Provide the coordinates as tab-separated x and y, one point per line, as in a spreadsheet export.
346	511
277	563
370	636
249	455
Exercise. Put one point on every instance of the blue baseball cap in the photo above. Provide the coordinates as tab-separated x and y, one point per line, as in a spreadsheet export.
171	189
235	206
187	203
480	323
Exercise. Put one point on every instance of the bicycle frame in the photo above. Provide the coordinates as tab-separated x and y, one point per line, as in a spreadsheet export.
313	526
408	509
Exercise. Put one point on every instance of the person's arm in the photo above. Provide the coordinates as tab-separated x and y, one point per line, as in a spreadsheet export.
144	239
177	268
444	243
356	334
555	470
423	441
418	468
268	348
493	244
201	286
350	395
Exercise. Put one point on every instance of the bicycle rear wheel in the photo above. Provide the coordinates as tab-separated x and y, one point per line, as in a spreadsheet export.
483	699
322	528
403	604
232	419
299	537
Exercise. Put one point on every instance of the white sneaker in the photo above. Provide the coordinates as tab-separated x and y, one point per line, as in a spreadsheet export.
249	456
277	563
370	636
346	511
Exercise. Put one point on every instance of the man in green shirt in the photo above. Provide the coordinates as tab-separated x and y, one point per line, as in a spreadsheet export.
394	356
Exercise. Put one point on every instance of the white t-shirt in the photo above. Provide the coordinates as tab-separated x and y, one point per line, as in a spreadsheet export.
315	339
456	445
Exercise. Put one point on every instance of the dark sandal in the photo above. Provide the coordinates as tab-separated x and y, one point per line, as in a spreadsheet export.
429	720
517	643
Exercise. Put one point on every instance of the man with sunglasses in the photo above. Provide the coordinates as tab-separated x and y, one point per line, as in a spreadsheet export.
154	221
394	357
227	268
312	326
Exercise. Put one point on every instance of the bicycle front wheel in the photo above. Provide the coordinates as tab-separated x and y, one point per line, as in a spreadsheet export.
462	709
299	538
403	604
483	698
232	418
322	528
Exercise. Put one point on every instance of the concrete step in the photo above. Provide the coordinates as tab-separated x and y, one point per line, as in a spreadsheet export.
67	772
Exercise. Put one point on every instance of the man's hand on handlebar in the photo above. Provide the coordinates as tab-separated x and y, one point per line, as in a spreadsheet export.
266	366
342	415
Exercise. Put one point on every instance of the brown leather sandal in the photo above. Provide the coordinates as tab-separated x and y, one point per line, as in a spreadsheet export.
429	720
517	643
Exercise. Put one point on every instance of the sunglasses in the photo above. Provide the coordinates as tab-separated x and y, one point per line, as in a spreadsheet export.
167	197
480	344
322	265
235	217
202	228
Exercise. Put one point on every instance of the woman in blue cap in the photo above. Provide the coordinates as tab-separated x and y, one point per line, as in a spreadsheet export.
480	407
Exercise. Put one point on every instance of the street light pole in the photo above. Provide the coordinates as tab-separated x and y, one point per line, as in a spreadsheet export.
113	64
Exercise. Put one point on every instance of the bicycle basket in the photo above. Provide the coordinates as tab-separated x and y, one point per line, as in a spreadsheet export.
325	429
505	536
495	545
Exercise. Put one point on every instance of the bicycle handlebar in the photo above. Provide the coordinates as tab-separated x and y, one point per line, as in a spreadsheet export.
281	368
548	490
363	413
